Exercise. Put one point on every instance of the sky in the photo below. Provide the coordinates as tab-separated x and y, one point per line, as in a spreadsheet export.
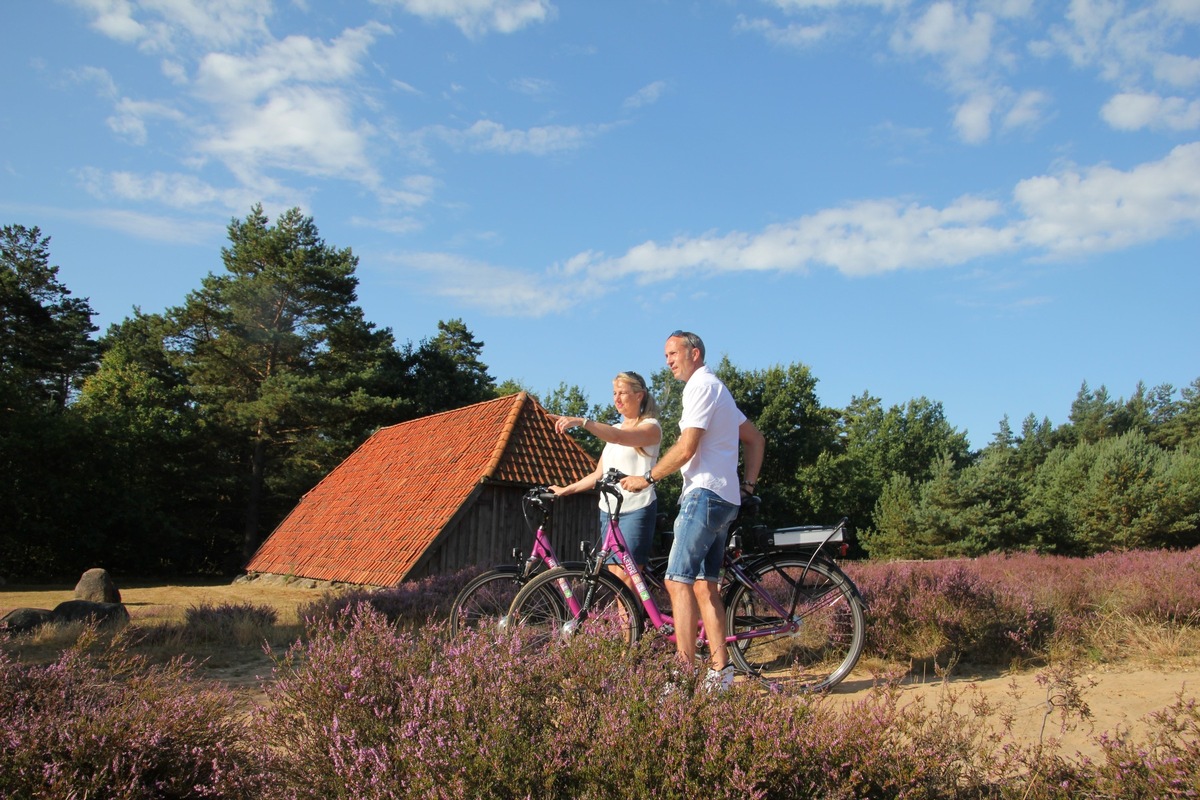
986	204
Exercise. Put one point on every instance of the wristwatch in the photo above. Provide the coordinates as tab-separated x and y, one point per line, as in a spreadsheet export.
649	478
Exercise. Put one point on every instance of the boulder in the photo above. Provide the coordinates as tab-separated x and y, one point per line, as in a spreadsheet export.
102	614
97	586
25	620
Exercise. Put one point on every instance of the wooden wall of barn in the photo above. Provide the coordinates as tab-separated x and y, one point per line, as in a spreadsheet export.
491	523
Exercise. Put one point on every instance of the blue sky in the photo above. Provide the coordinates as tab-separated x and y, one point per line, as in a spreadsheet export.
982	203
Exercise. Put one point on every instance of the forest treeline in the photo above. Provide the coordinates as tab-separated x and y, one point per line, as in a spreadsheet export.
174	442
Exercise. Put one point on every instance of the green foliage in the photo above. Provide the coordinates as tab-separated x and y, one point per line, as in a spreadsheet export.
447	371
45	351
1115	494
281	363
176	441
45	334
1118	494
782	402
572	401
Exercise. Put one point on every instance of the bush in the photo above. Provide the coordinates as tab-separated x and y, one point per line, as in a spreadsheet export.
363	710
410	603
111	726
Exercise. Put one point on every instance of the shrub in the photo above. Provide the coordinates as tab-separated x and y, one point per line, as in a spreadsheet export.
228	624
410	603
111	726
364	710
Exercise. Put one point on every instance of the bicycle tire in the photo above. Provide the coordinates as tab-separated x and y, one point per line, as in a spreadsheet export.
541	613
831	619
484	601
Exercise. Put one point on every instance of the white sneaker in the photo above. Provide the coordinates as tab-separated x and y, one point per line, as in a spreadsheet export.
719	680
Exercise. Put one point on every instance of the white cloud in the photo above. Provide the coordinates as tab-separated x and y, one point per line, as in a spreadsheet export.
962	43
130	116
645	96
489	136
285	107
303	129
789	35
502	291
1102	209
114	18
224	78
176	190
477	18
533	87
154	227
164	25
99	77
973	118
1062	215
1130	45
1028	110
1131	111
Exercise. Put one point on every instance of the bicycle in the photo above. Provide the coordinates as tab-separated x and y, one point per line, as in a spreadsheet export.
791	613
485	599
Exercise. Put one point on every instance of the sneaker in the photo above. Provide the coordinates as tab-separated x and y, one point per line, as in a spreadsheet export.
719	680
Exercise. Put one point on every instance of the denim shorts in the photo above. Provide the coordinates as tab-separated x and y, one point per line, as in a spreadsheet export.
637	527
700	530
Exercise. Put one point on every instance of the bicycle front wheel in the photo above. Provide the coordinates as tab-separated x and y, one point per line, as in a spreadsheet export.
484	601
818	645
554	607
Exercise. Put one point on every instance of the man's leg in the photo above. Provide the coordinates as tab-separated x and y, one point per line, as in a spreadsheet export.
685	612
712	610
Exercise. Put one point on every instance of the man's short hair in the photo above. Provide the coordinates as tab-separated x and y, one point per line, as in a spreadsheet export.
693	341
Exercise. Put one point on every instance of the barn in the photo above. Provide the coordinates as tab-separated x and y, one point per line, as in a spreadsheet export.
433	496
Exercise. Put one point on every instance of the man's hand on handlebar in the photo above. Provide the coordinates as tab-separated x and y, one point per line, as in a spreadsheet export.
634	483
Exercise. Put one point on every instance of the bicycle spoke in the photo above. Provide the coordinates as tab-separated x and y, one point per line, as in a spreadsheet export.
542	611
818	645
484	601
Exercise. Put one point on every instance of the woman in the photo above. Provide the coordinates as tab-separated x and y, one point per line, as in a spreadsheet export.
632	447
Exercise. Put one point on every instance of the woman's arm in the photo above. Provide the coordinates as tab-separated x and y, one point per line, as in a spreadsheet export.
582	485
646	434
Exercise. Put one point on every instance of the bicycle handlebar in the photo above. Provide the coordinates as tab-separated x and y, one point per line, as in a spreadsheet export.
608	483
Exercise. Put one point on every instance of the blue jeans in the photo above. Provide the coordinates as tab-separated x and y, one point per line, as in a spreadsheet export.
638	529
700	530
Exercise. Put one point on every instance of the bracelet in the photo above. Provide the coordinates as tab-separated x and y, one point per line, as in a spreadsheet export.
751	484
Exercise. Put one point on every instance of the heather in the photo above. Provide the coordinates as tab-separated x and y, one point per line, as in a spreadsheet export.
1026	608
102	722
372	699
363	710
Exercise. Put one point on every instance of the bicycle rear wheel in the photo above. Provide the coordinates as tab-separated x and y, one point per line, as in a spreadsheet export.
484	601
542	613
822	641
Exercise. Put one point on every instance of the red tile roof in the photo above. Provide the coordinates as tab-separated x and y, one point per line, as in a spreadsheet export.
371	518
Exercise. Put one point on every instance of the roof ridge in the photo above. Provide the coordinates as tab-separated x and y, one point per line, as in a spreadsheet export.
506	432
433	417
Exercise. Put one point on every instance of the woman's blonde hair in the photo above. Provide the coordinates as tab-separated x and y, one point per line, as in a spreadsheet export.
637	383
647	408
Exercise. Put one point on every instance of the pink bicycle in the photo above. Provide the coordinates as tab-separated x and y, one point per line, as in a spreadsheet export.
485	600
792	614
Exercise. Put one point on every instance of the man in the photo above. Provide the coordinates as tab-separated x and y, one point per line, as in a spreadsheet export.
706	453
